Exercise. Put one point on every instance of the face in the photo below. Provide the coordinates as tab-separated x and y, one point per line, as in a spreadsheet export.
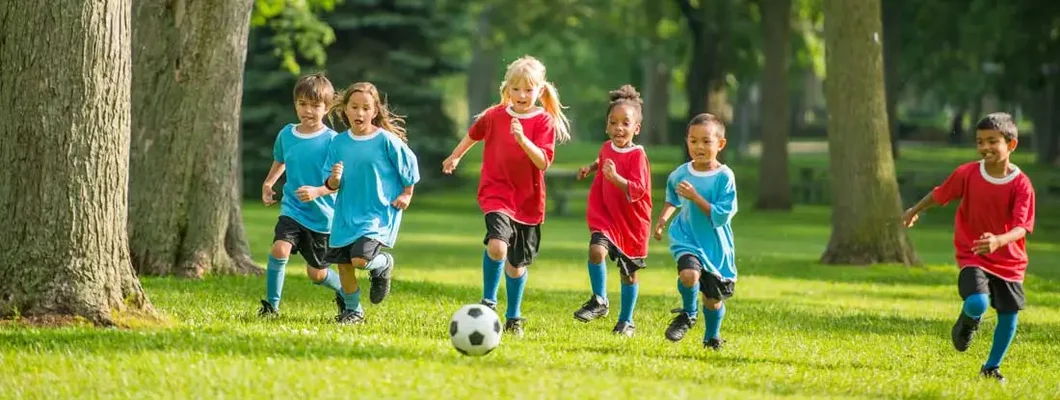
992	145
360	111
703	144
523	95
310	112
622	125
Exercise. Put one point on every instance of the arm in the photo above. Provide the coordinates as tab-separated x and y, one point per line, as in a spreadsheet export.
537	156
664	218
407	166
267	193
910	216
583	172
1022	223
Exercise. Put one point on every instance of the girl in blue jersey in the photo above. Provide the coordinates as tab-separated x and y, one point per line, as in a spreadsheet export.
701	241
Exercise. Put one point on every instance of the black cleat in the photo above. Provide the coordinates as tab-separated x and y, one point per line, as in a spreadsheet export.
340	302
514	327
714	344
624	328
963	330
267	310
595	308
992	373
350	317
381	280
679	325
489	303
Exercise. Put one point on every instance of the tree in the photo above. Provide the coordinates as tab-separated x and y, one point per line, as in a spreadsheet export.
775	185
866	220
185	213
64	100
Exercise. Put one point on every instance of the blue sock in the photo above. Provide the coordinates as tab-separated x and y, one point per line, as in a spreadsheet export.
975	305
353	300
1003	334
379	261
275	271
688	298
598	279
629	301
331	281
515	294
713	318
491	276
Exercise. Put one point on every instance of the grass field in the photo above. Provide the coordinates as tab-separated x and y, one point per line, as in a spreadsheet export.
795	328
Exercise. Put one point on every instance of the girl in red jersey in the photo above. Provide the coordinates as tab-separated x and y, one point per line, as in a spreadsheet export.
996	212
619	211
520	140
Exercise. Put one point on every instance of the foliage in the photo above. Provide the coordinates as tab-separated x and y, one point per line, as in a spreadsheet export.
297	31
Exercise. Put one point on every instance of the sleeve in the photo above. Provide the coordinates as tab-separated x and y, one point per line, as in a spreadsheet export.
671	189
1023	207
545	138
404	162
953	187
277	149
725	207
329	160
481	126
639	177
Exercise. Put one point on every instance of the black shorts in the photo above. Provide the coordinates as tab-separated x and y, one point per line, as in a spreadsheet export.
711	285
523	240
1005	296
627	266
311	245
364	248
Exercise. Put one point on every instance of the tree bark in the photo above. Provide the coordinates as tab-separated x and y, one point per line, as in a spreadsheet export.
64	100
707	24
483	80
1047	123
775	183
892	44
188	62
866	212
655	127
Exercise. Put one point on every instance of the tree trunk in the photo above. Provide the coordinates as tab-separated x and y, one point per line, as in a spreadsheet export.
774	185
187	79
1047	124
483	80
707	24
892	20
64	100
866	211
655	127
957	126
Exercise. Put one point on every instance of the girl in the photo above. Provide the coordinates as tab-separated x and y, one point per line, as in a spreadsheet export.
520	142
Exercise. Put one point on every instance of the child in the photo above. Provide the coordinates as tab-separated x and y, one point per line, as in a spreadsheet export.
372	194
996	212
303	227
520	140
619	211
701	236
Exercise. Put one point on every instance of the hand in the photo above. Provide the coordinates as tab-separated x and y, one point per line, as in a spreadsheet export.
402	201
909	218
686	190
336	171
449	165
517	129
584	172
659	230
307	193
609	169
986	244
266	195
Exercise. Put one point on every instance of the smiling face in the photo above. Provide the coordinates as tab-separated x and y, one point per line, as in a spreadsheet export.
993	146
703	144
360	111
623	123
523	95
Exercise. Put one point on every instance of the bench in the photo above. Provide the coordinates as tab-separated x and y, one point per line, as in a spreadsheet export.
563	186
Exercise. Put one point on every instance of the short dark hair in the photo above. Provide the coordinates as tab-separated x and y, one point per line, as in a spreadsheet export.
709	120
625	95
1001	122
315	88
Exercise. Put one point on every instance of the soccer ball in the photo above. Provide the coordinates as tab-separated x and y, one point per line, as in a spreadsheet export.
475	330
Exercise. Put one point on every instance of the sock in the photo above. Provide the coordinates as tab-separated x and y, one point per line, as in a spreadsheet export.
713	318
688	298
353	300
379	261
515	288
275	271
598	279
629	301
331	281
975	305
1003	334
491	276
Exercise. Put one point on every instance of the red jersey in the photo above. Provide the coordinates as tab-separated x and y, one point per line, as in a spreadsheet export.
623	216
994	205
510	183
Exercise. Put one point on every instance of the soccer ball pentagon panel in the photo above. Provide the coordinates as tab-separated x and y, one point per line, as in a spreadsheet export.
475	330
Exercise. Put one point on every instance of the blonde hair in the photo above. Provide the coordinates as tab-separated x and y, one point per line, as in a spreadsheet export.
531	71
384	118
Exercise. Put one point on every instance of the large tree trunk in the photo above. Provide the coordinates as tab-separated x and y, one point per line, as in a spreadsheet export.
775	186
708	25
866	211
187	79
892	43
64	100
1045	112
656	80
483	80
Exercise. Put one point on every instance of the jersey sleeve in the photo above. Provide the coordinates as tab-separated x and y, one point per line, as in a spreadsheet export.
953	187
671	189
545	139
277	149
404	161
481	126
329	160
722	210
1023	207
639	177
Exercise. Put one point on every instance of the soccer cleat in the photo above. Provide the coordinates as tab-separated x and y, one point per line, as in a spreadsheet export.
340	302
514	326
624	328
714	343
488	303
962	332
350	317
679	325
992	373
592	309
381	280
267	310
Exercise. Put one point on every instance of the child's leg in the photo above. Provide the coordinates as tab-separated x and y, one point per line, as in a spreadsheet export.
688	286
499	232
713	313
324	277
515	278
351	290
275	271
1008	301
313	249
598	249
520	256
630	289
973	286
715	290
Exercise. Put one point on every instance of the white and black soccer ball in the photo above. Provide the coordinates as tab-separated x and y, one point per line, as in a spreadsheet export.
475	330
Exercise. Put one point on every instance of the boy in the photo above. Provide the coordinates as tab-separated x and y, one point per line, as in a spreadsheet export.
996	212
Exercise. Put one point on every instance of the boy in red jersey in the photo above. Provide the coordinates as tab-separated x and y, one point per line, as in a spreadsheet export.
996	212
619	211
520	140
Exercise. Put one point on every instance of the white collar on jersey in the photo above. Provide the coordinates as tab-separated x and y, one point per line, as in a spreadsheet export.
300	135
1002	180
365	137
705	173
531	114
626	149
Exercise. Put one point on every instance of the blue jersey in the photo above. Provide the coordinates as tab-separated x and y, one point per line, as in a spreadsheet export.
303	155
376	169
707	237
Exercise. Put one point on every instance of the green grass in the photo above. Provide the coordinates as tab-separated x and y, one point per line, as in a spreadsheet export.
795	328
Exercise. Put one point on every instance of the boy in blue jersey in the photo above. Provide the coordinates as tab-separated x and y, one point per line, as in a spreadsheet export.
704	190
374	172
303	227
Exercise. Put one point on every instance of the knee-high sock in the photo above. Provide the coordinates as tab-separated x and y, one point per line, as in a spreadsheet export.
713	318
598	279
629	302
275	271
515	288
1003	334
491	276
688	298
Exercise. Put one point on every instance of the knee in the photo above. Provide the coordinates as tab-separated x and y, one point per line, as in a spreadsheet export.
976	304
281	250
629	279
497	249
711	304
597	254
316	275
688	277
358	263
513	271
